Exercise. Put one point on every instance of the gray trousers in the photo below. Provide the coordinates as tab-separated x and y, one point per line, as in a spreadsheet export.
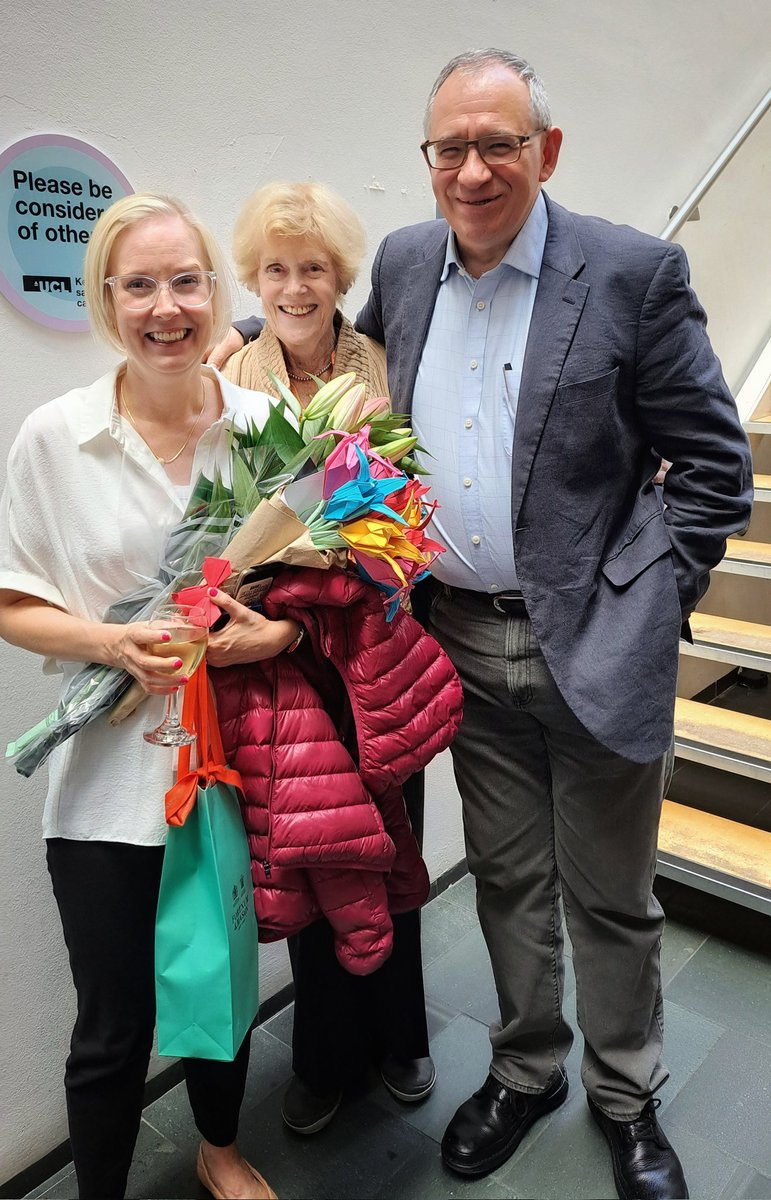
549	812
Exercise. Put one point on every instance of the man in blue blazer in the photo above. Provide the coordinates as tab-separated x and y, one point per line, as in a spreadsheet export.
549	361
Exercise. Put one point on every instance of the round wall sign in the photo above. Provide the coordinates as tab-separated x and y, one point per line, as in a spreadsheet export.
53	189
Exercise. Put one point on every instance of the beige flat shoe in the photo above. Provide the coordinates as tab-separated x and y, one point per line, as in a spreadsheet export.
266	1193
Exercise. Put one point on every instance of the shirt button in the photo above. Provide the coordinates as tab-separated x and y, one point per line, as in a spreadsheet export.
467	482
480	305
468	423
473	364
476	539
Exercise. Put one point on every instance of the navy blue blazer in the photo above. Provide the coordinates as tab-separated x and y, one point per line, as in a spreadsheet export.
618	372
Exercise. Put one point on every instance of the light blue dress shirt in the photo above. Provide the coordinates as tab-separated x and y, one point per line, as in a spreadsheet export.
465	405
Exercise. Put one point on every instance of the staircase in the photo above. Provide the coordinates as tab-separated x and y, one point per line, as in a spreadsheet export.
716	821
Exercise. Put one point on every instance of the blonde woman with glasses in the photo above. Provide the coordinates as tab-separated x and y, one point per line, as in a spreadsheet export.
95	480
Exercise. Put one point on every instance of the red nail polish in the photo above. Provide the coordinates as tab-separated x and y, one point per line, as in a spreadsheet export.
184	679
178	663
165	637
212	591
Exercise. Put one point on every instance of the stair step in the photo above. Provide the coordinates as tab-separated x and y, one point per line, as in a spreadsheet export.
742	643
759	424
747	558
720	738
763	488
720	845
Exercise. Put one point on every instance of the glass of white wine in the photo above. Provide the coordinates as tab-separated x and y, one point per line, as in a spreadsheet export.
186	623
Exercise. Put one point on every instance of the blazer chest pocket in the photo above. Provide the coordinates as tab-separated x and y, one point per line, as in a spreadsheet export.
650	543
599	388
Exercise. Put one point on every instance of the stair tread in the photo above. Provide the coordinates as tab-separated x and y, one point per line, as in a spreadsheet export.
716	842
710	630
736	733
762	482
740	550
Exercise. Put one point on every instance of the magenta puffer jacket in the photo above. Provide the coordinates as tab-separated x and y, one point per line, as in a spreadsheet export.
323	739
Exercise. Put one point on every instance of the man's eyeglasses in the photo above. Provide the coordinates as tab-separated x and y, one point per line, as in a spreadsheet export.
499	149
189	289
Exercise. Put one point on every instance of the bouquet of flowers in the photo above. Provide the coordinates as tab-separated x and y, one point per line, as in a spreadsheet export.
327	486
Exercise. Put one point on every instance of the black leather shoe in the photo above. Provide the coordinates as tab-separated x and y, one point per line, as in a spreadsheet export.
645	1167
410	1080
306	1111
487	1129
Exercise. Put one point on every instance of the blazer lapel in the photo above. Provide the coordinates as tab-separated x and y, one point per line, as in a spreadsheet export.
559	303
421	286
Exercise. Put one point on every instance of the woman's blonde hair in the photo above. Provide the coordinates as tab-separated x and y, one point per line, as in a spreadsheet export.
291	210
122	215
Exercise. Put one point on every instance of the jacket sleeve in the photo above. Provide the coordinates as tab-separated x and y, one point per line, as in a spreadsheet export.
690	416
250	328
370	319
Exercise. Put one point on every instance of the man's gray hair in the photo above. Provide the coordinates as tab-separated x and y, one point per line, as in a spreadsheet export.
471	62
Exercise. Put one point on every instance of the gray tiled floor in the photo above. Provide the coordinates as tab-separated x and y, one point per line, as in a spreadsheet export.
716	1105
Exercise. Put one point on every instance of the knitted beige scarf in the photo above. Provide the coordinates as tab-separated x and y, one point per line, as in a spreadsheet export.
354	352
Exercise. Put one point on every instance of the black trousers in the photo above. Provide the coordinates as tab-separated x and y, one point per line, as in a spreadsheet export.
344	1021
107	893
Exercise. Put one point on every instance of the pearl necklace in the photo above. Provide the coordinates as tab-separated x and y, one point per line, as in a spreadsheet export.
164	461
308	378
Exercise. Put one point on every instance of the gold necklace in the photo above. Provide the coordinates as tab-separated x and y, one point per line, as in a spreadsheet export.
165	461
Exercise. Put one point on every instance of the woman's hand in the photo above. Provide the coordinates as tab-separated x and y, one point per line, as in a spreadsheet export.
248	636
36	625
129	647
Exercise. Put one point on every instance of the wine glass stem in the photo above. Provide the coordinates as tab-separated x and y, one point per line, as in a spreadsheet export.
172	710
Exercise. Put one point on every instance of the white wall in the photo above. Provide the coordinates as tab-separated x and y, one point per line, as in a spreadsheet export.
209	101
729	248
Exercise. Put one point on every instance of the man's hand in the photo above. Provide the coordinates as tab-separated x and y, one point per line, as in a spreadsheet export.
248	636
217	356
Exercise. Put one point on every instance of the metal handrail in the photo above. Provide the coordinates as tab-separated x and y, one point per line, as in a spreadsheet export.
721	162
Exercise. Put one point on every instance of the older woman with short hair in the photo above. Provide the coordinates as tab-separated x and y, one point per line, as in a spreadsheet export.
96	479
298	246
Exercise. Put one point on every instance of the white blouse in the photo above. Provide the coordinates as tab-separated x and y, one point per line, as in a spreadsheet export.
83	520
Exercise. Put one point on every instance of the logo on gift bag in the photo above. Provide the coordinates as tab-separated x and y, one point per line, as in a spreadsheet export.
241	901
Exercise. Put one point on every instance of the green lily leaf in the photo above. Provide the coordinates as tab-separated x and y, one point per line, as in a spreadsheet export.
303	455
292	403
281	436
411	467
243	485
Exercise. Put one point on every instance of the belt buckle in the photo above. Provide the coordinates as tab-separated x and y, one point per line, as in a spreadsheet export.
505	596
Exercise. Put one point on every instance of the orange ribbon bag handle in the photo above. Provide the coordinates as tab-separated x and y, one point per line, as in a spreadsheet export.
200	715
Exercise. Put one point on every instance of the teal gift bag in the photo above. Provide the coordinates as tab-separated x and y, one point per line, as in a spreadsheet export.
206	930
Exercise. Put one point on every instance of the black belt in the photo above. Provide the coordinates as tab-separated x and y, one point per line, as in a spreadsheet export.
510	603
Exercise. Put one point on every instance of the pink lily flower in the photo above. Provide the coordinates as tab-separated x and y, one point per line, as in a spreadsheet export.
375	407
